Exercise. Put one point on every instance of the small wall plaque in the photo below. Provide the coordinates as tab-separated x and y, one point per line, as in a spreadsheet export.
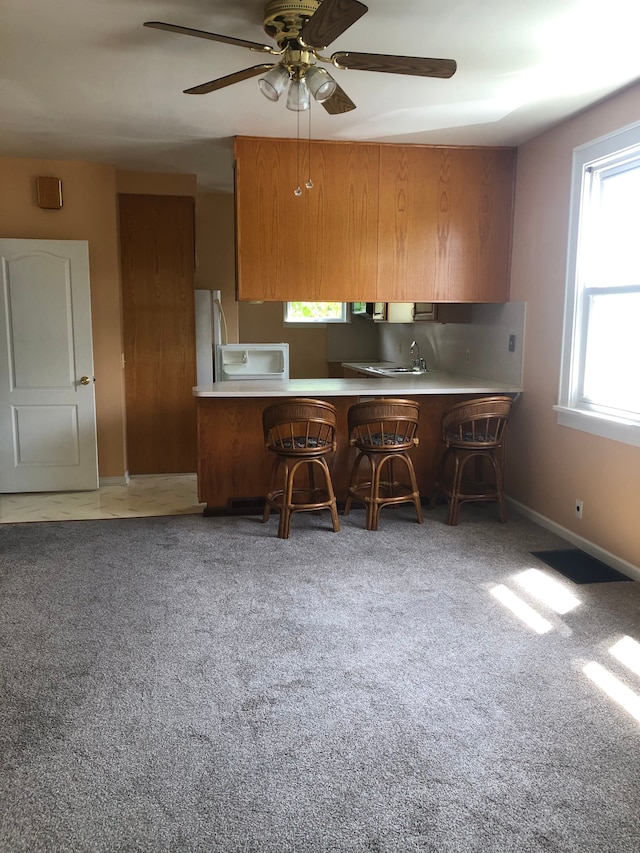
49	193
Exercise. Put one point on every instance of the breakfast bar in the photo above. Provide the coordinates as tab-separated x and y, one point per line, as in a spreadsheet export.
233	466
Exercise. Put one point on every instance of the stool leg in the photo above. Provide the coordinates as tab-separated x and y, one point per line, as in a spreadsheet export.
352	481
413	498
333	506
414	485
454	501
284	528
373	506
497	467
287	507
283	522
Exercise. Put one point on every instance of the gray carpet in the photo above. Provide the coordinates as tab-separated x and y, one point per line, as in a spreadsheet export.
195	685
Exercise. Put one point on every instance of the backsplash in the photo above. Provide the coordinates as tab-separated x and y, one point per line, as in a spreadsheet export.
444	346
479	348
354	341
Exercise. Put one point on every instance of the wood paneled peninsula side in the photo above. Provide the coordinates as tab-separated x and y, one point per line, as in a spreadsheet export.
233	466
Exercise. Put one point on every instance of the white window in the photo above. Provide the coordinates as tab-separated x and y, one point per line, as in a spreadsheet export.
315	312
600	377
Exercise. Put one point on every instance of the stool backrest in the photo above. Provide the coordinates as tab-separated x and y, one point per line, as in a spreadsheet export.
300	426
385	424
476	423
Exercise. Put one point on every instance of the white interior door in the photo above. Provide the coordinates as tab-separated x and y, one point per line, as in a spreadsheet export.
47	399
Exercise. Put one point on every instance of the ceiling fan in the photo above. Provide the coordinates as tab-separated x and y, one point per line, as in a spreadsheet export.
302	29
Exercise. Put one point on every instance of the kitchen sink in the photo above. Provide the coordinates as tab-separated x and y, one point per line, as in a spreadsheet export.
395	371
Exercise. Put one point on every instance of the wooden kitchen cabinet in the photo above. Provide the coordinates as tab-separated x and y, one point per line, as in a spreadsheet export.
444	230
319	246
393	223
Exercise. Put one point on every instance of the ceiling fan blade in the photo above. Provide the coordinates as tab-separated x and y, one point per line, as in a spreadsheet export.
229	80
330	20
187	31
338	103
414	65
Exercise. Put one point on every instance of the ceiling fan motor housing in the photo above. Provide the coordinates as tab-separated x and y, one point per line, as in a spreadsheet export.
283	19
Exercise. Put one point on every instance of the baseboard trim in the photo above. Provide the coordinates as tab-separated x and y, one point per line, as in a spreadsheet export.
585	545
115	481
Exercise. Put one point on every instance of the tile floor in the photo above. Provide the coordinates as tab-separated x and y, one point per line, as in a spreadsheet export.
144	496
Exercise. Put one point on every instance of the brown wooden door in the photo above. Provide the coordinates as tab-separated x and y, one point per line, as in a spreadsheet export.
157	257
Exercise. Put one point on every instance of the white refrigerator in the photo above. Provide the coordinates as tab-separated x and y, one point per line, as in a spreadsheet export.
208	333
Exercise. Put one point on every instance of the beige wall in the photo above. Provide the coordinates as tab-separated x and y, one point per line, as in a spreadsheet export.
215	264
549	466
156	183
261	323
88	213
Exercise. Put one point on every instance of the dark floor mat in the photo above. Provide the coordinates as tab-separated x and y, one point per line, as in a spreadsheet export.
579	567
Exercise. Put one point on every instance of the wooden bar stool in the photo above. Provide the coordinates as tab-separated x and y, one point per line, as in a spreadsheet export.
473	430
300	432
383	431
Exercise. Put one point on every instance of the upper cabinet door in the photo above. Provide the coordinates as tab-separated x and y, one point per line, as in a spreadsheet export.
321	245
445	223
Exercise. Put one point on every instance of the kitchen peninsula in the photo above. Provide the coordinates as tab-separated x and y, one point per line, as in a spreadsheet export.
233	466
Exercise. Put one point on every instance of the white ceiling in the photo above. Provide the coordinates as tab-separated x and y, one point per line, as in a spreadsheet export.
83	79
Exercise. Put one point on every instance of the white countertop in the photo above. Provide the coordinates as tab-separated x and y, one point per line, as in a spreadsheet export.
427	383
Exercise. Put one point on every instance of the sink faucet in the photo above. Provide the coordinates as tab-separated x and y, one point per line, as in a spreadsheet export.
416	362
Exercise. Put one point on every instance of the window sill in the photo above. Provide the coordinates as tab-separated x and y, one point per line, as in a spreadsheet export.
312	324
616	429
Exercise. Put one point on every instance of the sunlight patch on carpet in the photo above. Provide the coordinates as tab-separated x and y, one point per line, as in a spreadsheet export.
614	688
521	609
627	651
547	590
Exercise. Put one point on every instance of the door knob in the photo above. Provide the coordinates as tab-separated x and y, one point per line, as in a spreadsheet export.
84	380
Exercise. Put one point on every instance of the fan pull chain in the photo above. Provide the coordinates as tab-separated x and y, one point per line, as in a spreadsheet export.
309	183
298	189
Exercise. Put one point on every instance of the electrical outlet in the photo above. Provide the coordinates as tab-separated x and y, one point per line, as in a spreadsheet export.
578	508
467	357
512	343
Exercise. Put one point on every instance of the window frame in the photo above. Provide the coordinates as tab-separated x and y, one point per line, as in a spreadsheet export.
572	409
316	322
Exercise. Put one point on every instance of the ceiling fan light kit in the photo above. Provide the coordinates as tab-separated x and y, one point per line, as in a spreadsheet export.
301	29
274	82
321	84
298	96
